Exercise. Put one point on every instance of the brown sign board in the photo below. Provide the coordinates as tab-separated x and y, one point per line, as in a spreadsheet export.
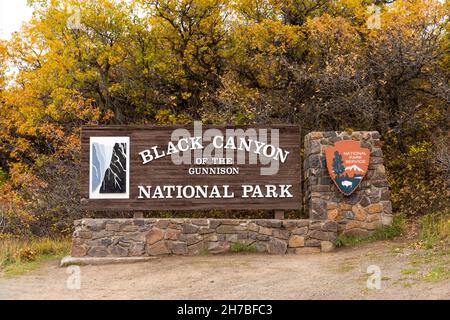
189	167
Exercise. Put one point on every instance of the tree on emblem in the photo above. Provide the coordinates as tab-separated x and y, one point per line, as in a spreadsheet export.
338	166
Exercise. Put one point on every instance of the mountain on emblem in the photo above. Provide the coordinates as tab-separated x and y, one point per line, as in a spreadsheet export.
347	163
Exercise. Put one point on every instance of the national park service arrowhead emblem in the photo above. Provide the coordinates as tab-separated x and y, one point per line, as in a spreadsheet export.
347	163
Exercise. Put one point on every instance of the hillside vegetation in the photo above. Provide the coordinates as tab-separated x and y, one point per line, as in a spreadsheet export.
321	64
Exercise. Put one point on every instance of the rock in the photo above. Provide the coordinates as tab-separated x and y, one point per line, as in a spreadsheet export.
280	233
319	208
356	135
300	231
213	223
314	146
307	250
289	224
321	188
326	246
372	225
252	227
218	247
364	202
385	194
191	238
205	230
124	242
348	215
137	249
231	237
97	252
303	223
131	228
330	226
162	223
82	234
112	227
260	246
197	248
325	181
345	206
316	225
118	251
380	183
242	235
190	228
172	234
296	241
265	231
332	214
358	212
315	135
375	135
273	223
78	251
387	207
313	161
106	242
179	221
246	242
210	237
321	235
176	226
154	236
137	236
94	224
252	235
373	217
352	224
159	248
229	229
386	219
331	206
177	247
312	243
233	222
374	208
199	222
276	246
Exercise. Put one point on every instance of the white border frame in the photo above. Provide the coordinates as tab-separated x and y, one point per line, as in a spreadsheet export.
126	194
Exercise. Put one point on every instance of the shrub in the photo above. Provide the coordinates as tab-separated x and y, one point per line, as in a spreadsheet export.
435	229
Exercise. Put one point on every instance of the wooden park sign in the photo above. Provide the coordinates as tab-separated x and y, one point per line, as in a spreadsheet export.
190	167
347	164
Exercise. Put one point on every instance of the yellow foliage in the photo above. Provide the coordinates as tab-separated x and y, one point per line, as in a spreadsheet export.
316	63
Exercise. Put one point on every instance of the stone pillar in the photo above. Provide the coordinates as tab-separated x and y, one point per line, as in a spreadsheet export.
368	207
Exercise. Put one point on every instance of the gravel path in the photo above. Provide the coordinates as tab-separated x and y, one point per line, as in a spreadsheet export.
341	274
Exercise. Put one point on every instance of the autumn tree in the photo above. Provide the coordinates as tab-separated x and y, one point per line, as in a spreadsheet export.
319	64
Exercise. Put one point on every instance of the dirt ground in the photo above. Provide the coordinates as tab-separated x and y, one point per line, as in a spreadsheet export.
342	274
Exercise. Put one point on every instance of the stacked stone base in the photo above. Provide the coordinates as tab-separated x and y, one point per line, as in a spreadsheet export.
157	237
365	210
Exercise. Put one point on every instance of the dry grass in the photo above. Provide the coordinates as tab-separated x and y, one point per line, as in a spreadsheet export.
19	256
435	230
